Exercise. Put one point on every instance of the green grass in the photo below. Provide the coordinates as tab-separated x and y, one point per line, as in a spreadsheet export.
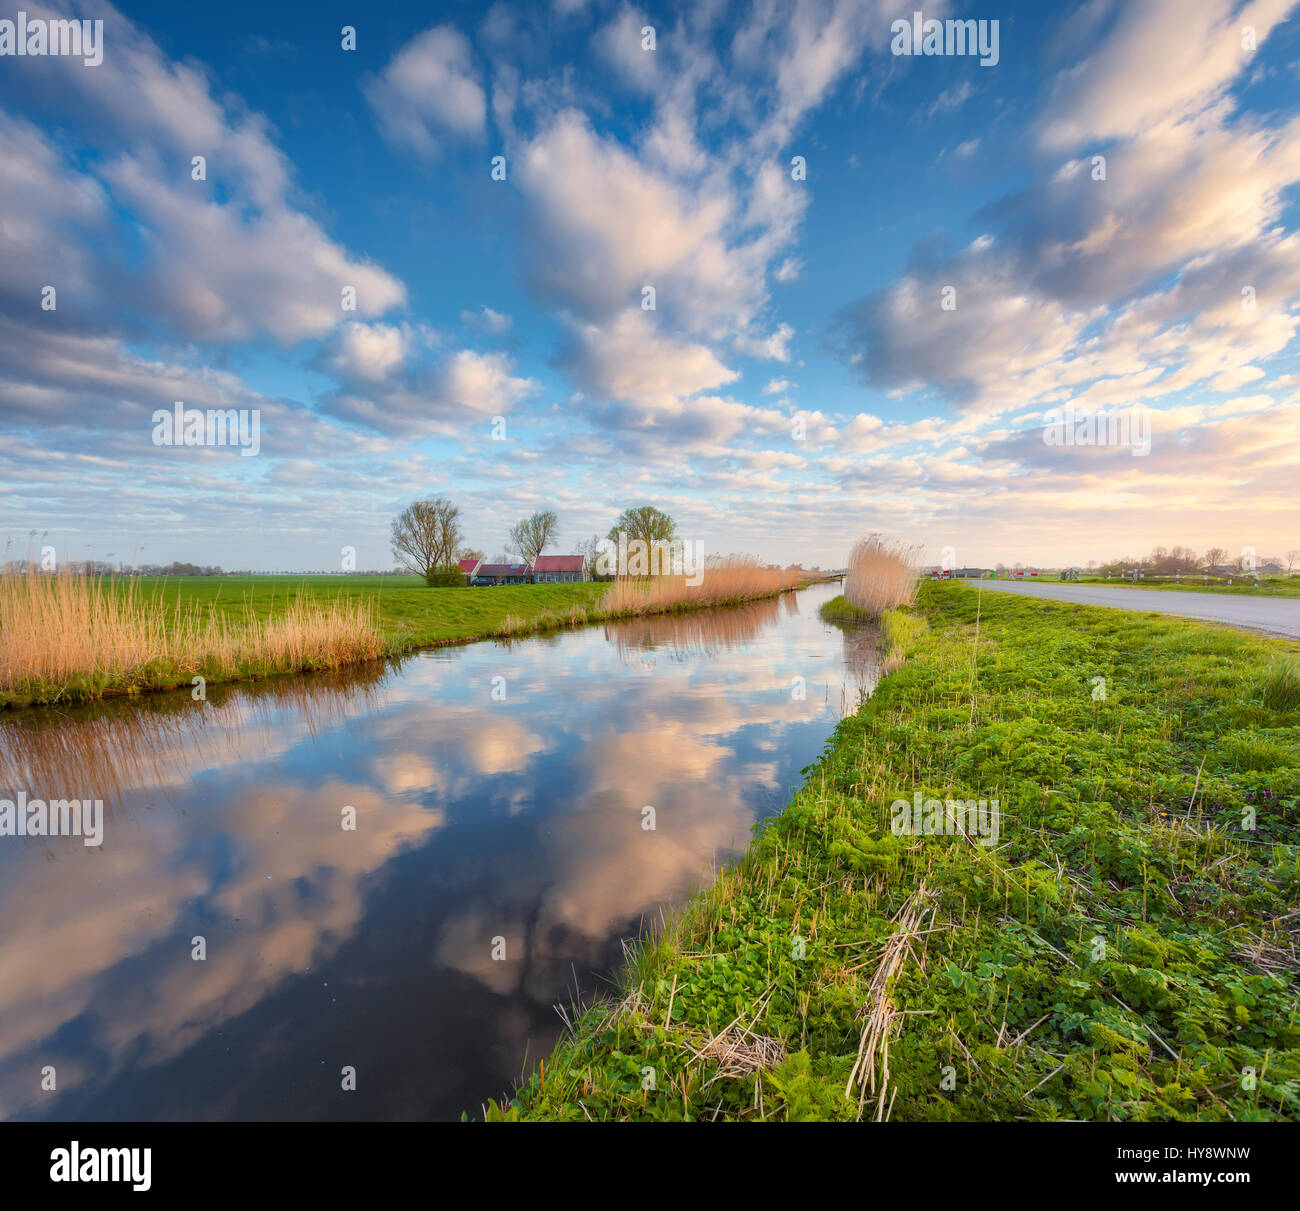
841	610
1279	686
1125	952
1276	586
411	614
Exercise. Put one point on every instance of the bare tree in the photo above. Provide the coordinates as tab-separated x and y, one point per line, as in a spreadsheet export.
1214	557
426	536
1292	558
531	536
590	552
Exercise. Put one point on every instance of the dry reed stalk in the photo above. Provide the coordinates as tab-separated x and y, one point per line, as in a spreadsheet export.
736	1050
728	578
1277	950
59	627
739	1052
873	1046
881	574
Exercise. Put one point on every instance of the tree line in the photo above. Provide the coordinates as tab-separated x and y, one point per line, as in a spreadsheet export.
1184	561
429	540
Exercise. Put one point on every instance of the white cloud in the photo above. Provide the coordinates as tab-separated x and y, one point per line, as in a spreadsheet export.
789	269
229	257
370	353
1163	58
632	361
951	99
606	225
811	45
1124	287
220	274
775	346
494	323
450	396
47	204
429	91
619	43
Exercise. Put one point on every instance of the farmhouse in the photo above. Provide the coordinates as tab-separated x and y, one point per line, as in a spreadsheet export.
545	569
501	573
940	573
558	569
1238	569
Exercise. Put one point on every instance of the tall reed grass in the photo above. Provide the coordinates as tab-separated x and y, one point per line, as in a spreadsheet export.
68	635
882	574
1280	685
724	580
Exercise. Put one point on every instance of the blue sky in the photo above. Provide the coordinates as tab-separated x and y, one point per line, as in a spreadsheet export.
798	382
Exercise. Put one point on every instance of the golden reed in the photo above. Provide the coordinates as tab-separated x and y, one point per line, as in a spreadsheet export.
726	579
882	574
90	634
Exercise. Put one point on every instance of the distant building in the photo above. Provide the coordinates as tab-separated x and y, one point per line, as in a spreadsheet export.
1235	569
501	573
558	569
545	569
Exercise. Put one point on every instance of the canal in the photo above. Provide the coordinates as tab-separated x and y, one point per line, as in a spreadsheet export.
395	872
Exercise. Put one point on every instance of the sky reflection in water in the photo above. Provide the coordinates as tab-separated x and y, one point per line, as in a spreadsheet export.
476	818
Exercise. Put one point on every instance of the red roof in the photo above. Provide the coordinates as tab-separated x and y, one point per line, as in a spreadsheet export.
468	565
558	563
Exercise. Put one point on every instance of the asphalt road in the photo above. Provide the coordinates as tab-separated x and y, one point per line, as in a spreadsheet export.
1276	615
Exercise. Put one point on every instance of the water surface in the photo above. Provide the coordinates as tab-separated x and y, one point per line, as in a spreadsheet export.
499	794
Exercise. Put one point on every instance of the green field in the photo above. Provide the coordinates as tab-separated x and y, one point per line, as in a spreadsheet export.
407	615
411	614
1127	950
1274	586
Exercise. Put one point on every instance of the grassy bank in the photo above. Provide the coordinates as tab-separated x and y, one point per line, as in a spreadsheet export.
68	638
841	610
1272	587
158	634
1126	950
409	613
